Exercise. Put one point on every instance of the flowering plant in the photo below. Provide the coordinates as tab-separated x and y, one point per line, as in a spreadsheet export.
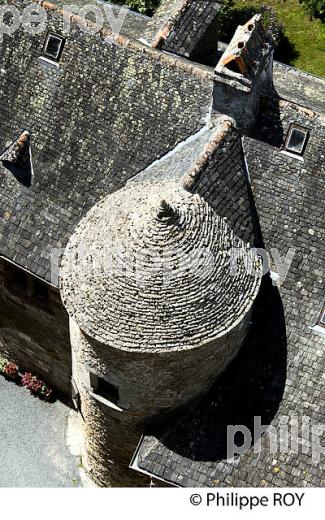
9	369
3	363
36	386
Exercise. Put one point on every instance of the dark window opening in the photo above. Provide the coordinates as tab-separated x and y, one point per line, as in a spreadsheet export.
296	140
105	389
53	46
321	319
233	66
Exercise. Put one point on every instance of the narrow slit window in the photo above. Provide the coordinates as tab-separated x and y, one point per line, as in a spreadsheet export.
53	47
296	140
105	389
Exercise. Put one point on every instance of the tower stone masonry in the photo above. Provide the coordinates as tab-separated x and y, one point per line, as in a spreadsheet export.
154	312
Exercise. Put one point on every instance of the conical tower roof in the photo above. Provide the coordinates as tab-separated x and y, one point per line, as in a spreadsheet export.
149	268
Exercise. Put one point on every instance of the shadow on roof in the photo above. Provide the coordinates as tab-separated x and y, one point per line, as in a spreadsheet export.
252	386
270	127
23	174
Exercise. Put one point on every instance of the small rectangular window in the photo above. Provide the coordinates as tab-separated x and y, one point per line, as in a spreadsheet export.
53	46
296	140
105	389
19	282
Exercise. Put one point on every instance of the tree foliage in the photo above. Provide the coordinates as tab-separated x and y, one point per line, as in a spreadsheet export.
315	8
231	16
141	6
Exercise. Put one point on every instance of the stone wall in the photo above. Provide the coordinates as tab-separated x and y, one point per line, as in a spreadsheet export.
35	335
150	385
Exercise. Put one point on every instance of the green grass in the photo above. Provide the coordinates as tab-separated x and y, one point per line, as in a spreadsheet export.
303	45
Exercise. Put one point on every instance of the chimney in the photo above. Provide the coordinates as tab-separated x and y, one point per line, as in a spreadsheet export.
243	73
181	26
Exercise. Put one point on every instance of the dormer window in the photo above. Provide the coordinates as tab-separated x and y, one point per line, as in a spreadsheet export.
296	140
53	47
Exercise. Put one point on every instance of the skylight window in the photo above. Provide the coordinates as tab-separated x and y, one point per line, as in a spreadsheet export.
53	47
296	140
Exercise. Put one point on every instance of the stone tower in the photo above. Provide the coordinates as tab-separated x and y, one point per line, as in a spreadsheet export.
155	314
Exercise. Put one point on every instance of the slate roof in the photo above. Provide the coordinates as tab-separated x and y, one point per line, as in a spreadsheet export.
133	25
213	162
90	131
159	222
135	230
93	127
179	160
279	371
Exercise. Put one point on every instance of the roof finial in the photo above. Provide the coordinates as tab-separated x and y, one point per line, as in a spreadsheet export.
165	212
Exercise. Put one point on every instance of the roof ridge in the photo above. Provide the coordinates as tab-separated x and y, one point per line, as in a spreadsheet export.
225	127
178	25
135	45
169	25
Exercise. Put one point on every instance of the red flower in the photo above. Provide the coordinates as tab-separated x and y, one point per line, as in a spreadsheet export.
36	386
11	370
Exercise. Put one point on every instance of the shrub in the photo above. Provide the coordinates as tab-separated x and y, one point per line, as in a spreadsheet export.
36	386
231	16
3	363
142	6
11	370
315	8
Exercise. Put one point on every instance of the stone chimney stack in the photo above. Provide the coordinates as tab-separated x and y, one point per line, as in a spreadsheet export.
182	26
243	73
